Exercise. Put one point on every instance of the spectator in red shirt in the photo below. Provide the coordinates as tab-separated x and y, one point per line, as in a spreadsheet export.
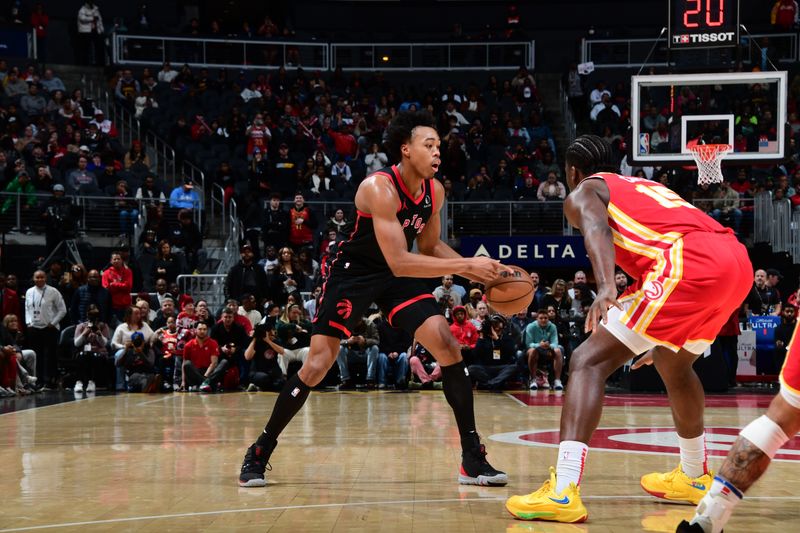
784	15
463	330
200	357
118	280
9	300
344	142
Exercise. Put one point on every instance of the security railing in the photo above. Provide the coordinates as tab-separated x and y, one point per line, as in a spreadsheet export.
208	52
432	56
208	287
634	53
566	112
746	218
504	218
764	217
91	214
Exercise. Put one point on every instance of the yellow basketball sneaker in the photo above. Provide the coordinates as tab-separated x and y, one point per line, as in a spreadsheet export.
676	486
545	504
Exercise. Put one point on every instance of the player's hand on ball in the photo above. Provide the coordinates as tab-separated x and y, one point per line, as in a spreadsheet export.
599	309
484	269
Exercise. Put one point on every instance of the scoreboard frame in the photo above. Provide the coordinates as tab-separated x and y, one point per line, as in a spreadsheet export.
695	24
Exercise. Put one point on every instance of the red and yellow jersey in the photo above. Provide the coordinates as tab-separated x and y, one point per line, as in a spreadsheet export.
646	219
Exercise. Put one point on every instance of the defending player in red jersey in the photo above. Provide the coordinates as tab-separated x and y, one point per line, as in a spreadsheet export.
396	206
677	256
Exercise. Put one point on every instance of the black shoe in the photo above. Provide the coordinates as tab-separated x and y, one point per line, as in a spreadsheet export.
256	462
686	527
347	385
475	469
428	385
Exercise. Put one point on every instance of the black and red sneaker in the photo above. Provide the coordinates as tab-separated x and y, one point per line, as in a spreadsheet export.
476	470
256	462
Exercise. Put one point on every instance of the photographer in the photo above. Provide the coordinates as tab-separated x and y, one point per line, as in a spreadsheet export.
266	371
232	339
60	218
91	340
142	375
494	355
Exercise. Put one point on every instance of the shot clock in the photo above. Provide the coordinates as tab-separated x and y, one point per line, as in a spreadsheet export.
703	23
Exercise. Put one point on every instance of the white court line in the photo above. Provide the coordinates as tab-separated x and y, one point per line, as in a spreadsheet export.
349	504
523	404
157	400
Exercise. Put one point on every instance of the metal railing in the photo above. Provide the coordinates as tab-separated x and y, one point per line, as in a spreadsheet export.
764	217
504	218
208	287
96	214
207	52
566	111
633	53
747	222
781	227
163	159
794	237
432	56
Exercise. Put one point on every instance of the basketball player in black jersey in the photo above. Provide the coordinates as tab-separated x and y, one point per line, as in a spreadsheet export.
395	206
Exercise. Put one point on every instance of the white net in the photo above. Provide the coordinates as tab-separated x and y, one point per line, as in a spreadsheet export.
709	158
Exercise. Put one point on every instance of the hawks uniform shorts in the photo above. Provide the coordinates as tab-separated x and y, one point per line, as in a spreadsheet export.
790	373
686	297
406	302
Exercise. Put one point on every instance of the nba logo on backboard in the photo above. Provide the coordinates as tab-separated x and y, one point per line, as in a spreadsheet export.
644	143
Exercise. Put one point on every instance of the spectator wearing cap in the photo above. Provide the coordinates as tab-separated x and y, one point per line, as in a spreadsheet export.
528	189
475	297
185	197
60	217
494	356
246	277
464	331
33	103
20	185
104	125
81	177
774	277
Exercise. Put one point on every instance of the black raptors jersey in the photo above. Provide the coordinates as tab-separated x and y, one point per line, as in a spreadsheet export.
361	254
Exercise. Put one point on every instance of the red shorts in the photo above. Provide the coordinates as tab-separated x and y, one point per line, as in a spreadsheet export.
687	295
790	373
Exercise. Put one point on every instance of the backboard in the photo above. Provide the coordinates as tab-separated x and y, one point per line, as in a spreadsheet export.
747	110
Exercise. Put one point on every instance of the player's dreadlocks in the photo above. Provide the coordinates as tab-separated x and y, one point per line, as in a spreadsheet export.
400	129
590	154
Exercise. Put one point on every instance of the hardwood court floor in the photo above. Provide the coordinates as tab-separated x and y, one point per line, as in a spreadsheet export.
348	462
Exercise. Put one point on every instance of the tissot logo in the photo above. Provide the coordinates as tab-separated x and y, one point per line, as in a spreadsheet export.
694	38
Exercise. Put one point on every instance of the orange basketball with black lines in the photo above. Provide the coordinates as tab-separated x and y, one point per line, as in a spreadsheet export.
511	292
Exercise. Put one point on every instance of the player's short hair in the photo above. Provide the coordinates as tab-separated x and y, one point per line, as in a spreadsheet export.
590	154
401	128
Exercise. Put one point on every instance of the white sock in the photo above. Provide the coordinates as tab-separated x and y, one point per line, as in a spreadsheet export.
693	456
571	461
716	507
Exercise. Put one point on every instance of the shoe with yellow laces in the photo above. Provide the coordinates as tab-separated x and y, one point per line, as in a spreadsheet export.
676	486
545	504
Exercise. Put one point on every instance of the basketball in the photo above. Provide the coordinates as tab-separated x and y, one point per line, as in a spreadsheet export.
511	292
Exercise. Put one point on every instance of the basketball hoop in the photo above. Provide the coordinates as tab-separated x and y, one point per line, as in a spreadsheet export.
708	158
